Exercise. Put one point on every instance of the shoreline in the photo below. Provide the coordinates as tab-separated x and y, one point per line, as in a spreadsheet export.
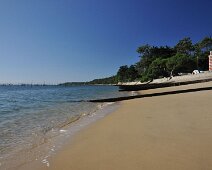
53	144
145	133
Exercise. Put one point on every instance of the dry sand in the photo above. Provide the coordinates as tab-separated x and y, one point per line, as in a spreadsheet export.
172	132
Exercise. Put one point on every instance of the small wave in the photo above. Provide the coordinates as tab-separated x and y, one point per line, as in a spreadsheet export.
71	120
38	116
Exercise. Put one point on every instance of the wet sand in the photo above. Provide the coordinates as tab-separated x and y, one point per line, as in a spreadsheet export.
172	132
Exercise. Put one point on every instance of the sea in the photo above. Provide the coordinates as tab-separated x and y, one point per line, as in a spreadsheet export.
35	121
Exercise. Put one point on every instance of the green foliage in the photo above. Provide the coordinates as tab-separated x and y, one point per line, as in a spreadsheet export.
164	61
144	50
206	44
148	54
184	46
157	69
201	53
122	73
146	58
107	80
126	74
202	61
145	78
180	63
132	73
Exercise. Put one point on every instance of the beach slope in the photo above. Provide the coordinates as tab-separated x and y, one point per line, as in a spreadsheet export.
168	132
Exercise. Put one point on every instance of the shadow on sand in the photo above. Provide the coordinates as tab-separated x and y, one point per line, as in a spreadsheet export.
151	95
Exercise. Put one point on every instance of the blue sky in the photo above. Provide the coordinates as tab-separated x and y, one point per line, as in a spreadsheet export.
56	41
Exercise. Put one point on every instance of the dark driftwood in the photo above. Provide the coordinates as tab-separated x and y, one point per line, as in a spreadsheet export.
150	95
158	85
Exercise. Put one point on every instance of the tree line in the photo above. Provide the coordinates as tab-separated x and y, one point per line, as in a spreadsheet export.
163	61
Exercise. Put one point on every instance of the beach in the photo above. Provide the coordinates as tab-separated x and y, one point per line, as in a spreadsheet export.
105	85
169	132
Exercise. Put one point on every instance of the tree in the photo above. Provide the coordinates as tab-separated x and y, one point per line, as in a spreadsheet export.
145	58
161	61
180	63
107	80
206	44
126	74
144	50
203	62
162	52
157	69
122	73
202	50
149	53
132	73
184	46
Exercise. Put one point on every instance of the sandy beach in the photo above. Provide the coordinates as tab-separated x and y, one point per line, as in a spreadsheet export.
171	132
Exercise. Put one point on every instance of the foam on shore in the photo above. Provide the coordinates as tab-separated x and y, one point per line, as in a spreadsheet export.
55	139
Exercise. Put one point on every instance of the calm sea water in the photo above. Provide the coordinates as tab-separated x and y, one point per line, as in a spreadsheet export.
28	113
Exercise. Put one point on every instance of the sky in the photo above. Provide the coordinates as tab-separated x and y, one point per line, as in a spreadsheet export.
55	41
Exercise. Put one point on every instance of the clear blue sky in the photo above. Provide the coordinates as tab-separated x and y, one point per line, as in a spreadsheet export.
79	40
